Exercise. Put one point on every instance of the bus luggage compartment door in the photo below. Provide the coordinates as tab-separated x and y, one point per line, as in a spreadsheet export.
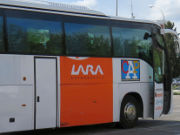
45	92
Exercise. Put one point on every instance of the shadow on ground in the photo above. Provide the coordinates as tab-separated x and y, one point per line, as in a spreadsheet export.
105	128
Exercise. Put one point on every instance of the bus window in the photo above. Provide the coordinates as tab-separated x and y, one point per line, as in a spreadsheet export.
158	64
131	42
30	36
159	39
87	40
2	48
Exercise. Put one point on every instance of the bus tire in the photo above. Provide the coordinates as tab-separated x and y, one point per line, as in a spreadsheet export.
129	112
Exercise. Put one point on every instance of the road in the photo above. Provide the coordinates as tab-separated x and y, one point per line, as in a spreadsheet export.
167	125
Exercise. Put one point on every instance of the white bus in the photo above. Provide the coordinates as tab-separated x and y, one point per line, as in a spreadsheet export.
63	66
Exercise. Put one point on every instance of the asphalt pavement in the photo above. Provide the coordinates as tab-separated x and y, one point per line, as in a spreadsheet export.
166	125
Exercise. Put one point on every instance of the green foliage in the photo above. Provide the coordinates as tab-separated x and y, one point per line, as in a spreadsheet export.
133	47
89	45
172	46
176	93
37	36
34	41
158	64
170	25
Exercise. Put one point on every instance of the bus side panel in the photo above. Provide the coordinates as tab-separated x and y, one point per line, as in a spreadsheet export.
16	93
147	89
143	87
86	91
120	88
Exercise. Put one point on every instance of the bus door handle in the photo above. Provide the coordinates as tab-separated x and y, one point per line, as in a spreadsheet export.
38	99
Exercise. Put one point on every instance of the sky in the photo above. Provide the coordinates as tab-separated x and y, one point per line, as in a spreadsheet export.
141	9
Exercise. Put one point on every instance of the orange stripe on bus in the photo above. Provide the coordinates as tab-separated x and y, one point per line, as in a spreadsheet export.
86	91
159	95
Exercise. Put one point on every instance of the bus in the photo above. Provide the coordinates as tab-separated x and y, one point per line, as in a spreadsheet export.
63	65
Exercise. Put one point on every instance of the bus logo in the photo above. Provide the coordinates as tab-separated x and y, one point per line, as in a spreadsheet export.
130	70
78	58
85	71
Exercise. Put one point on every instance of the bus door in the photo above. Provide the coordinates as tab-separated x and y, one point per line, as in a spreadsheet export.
45	92
158	58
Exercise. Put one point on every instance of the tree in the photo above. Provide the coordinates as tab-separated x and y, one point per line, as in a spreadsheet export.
172	47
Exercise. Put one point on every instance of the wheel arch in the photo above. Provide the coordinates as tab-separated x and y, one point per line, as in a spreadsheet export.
138	97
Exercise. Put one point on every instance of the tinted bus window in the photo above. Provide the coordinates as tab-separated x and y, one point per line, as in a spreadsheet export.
158	56
87	40
31	36
160	40
2	48
130	42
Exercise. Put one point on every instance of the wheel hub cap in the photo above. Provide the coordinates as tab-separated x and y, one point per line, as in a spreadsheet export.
130	111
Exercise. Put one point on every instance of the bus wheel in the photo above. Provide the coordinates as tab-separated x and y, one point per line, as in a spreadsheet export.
129	112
